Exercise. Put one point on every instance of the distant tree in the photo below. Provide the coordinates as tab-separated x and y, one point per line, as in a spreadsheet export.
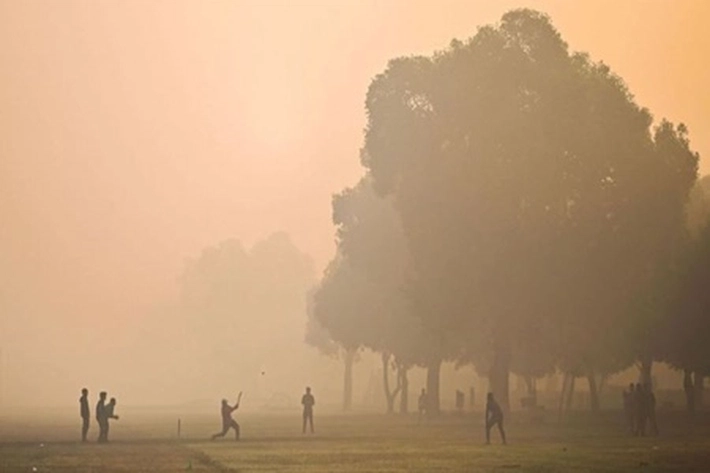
316	335
338	305
319	337
362	300
370	236
533	357
232	300
527	181
698	209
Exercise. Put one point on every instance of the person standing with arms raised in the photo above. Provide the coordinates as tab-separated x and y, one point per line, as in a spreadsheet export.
227	421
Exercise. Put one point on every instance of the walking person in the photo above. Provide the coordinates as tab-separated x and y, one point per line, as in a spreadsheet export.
85	413
227	421
494	416
101	416
308	401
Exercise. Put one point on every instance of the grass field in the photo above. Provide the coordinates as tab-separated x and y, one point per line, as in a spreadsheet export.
358	443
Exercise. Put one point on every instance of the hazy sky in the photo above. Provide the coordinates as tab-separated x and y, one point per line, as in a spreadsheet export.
135	133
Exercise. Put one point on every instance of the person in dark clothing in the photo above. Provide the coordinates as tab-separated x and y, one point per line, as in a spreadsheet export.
85	413
422	405
101	416
651	410
308	402
108	414
494	416
629	408
640	410
227	421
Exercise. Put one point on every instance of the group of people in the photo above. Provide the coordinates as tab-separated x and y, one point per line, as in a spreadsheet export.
639	406
104	412
640	409
493	416
228	422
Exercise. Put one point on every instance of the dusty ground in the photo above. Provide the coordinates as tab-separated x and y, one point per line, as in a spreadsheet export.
142	442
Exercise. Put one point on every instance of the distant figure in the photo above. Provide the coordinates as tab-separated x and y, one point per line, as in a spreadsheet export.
423	403
227	421
471	397
640	410
494	415
308	402
108	414
651	410
630	408
85	413
101	416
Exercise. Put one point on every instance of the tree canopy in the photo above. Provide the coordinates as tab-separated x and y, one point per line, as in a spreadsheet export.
532	190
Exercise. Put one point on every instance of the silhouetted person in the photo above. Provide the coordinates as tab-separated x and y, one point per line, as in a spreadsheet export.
651	410
101	416
640	410
422	404
308	402
630	408
108	414
227	421
85	413
494	416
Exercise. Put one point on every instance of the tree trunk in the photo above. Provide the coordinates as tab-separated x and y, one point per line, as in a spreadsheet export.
698	387
563	393
570	392
689	390
602	383
348	380
404	393
593	392
500	374
531	386
432	387
391	396
645	371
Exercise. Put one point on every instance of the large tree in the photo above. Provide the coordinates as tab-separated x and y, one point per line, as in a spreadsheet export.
363	300
527	180
337	307
681	333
